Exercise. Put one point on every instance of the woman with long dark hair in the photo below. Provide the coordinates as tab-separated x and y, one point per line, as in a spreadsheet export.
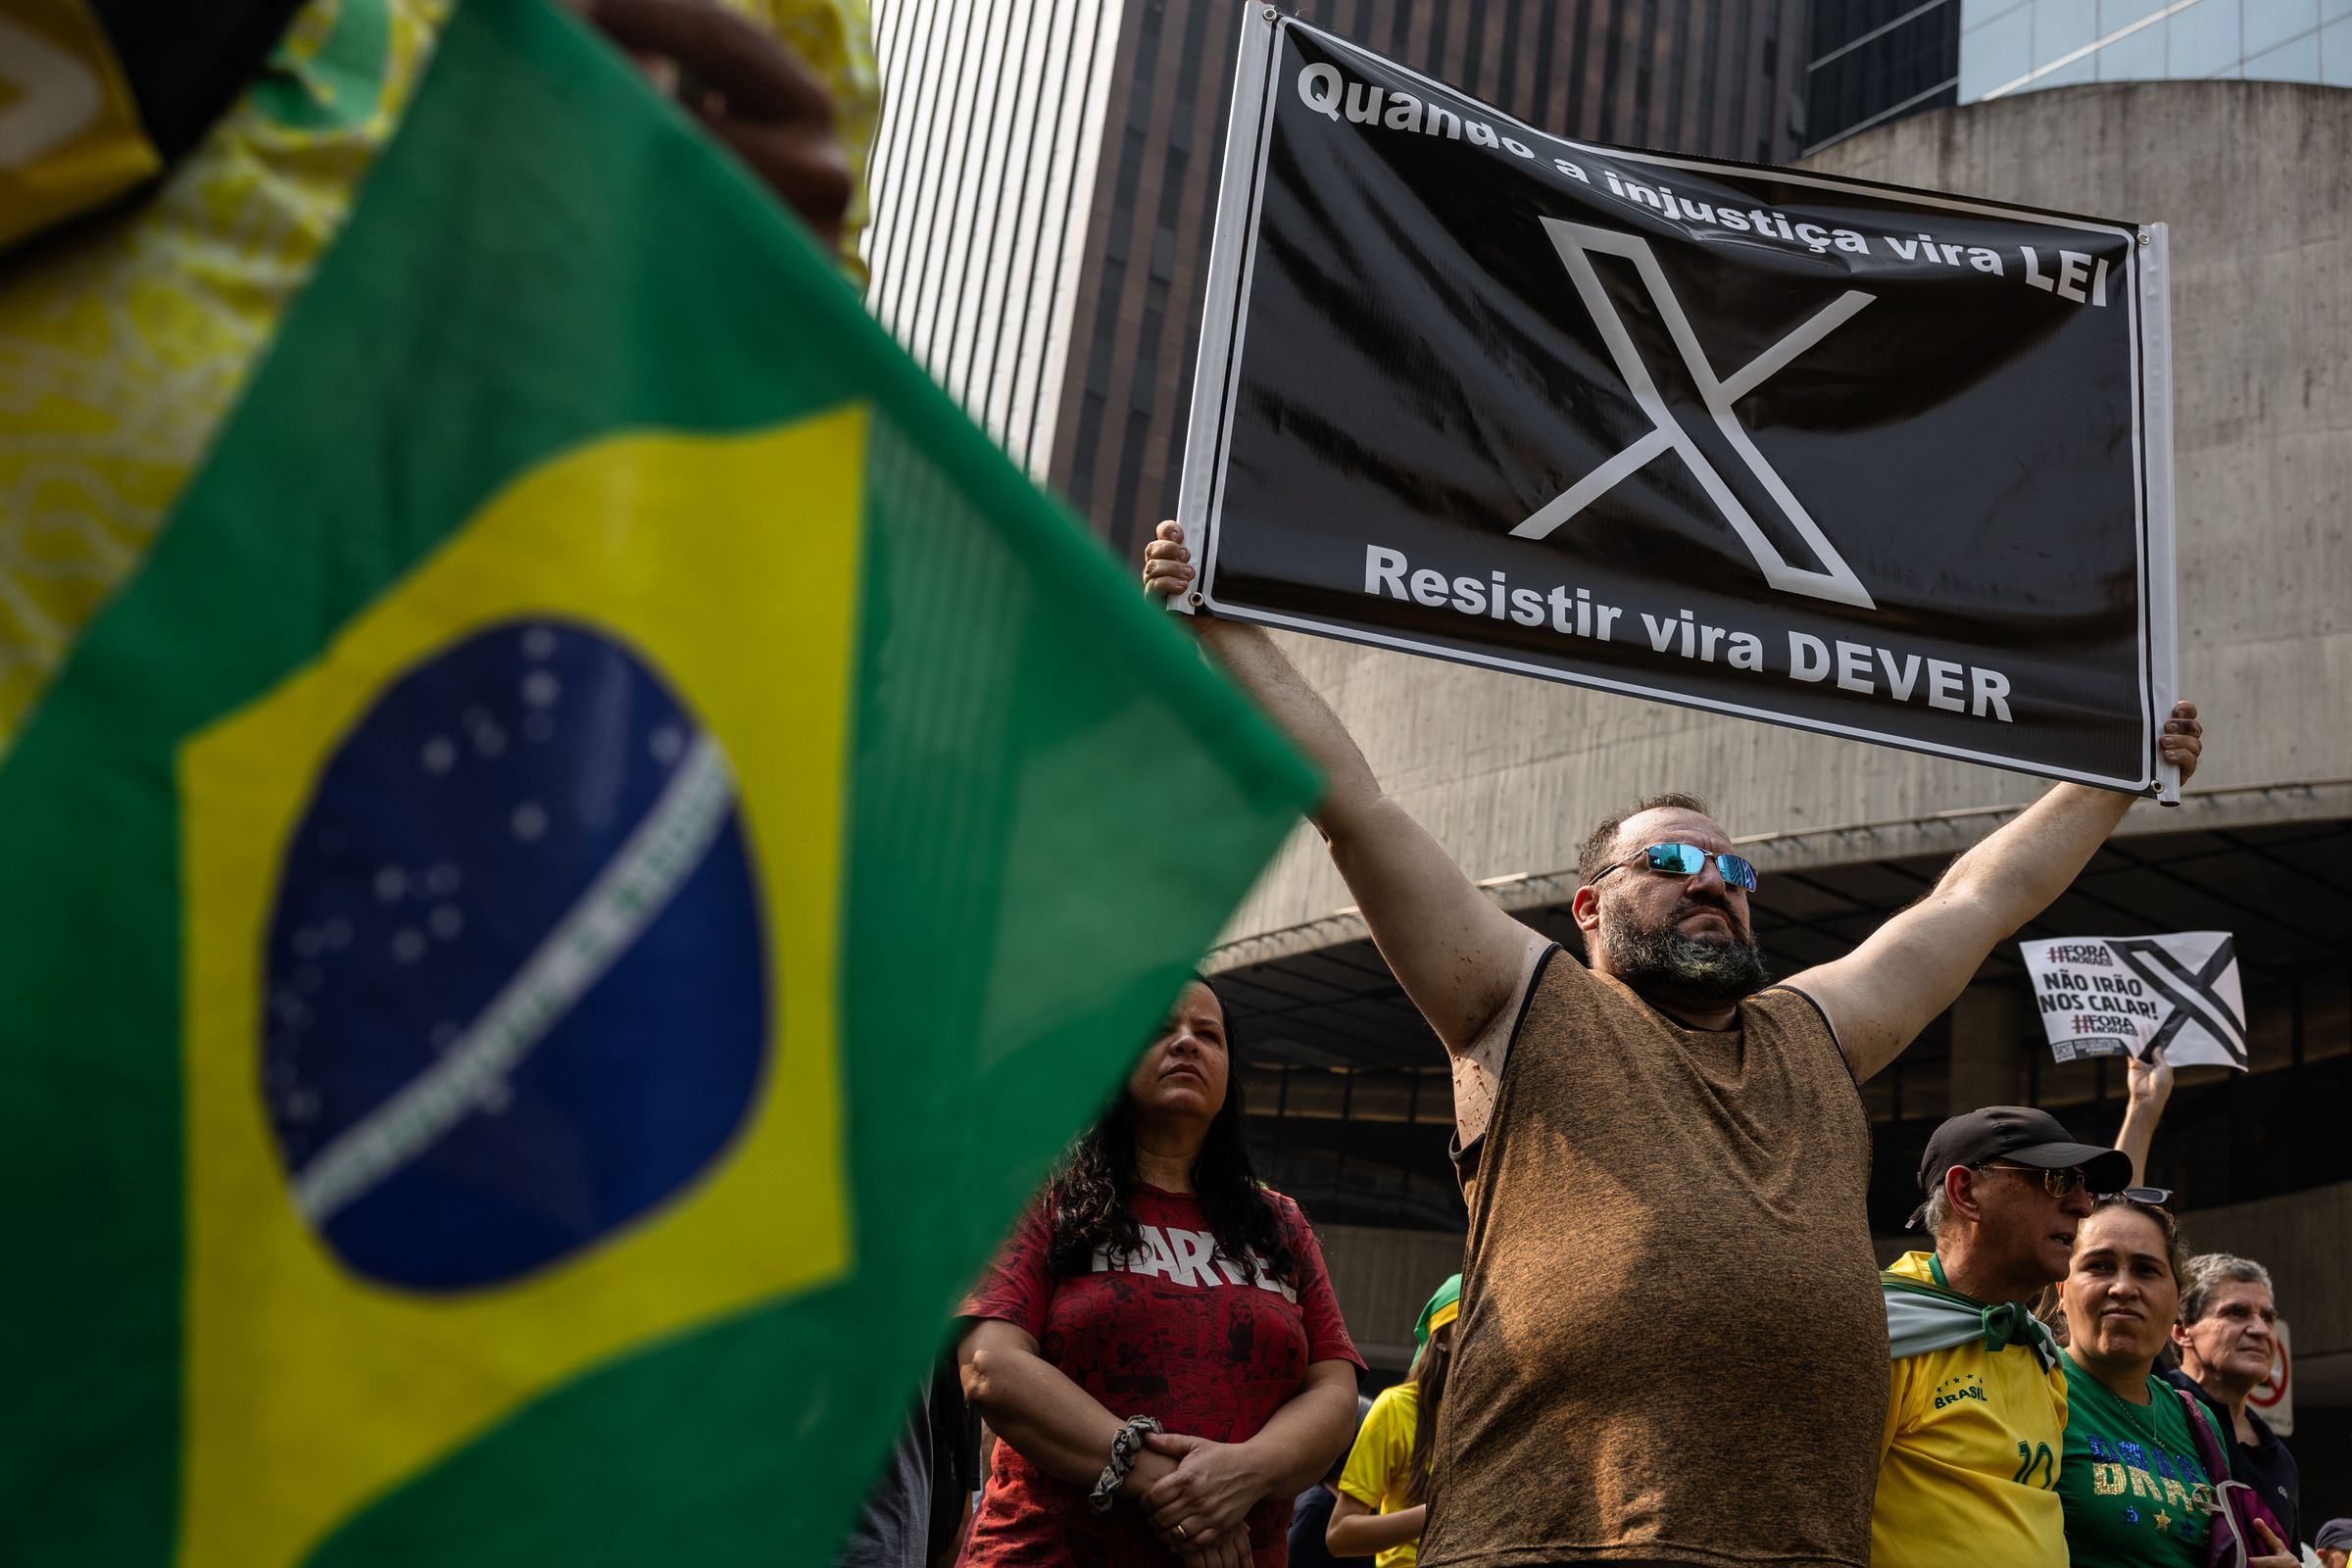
1383	1492
1157	1346
2144	1479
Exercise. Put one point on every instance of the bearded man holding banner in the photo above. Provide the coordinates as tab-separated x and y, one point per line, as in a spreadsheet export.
1671	1160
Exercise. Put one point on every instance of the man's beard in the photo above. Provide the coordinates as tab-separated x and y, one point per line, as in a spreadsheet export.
1665	966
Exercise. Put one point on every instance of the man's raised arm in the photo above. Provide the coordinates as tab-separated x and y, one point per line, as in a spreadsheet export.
1459	956
1878	997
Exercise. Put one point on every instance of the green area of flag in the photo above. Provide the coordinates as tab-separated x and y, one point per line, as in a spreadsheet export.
1053	805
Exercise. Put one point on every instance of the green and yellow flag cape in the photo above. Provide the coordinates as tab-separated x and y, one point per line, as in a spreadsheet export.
551	922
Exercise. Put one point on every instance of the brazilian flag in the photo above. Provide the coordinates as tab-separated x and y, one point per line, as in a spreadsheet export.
555	920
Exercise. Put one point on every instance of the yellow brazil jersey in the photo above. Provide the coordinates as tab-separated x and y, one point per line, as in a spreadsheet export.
1382	1460
1968	1466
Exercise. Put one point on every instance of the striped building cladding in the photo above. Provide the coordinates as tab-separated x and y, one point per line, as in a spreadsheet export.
983	171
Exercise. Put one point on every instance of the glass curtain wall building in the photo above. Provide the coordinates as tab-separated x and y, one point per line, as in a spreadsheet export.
2019	45
1874	61
1877	60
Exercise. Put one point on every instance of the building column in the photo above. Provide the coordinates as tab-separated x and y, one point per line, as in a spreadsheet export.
1986	1061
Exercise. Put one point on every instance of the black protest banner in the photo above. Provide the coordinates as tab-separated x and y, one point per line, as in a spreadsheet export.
1867	460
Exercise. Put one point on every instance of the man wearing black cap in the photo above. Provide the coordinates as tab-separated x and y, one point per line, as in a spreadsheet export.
1976	1409
2333	1543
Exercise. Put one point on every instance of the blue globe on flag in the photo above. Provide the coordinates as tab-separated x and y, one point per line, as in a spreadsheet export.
515	993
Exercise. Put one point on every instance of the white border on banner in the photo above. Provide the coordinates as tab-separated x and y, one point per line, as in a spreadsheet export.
1224	325
1231	248
1791	177
2162	597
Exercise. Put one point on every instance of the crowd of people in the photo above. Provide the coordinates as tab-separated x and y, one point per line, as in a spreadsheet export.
1670	1343
1664	1347
2061	1437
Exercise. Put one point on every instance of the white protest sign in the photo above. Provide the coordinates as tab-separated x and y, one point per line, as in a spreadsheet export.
2106	996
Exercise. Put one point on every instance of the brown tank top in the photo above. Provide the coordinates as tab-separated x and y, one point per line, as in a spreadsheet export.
1672	1347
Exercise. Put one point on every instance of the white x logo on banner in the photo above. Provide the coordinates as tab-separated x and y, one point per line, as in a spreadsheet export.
1575	243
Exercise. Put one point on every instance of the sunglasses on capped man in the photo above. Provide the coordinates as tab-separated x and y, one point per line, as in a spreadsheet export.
2059	1183
1689	860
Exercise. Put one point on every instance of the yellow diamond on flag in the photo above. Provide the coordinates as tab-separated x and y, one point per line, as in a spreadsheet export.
557	889
456	1136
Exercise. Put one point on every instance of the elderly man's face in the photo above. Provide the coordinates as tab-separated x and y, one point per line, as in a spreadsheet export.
2022	1229
2237	1336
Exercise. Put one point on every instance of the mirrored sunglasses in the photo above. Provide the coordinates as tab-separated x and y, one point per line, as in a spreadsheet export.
1689	860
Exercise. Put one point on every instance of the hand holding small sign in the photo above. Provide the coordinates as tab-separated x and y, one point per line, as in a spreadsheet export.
2148	1081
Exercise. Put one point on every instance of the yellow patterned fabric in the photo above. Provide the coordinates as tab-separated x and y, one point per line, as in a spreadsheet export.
836	37
70	136
123	342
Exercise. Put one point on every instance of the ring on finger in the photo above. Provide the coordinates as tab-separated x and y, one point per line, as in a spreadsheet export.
1180	1532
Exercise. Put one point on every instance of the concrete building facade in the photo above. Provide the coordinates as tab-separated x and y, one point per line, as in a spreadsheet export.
1349	1097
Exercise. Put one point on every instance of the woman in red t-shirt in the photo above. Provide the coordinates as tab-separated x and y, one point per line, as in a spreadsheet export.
1155	1277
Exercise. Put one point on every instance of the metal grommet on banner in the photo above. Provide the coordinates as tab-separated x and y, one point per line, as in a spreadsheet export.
1193	599
1272	15
2143	236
